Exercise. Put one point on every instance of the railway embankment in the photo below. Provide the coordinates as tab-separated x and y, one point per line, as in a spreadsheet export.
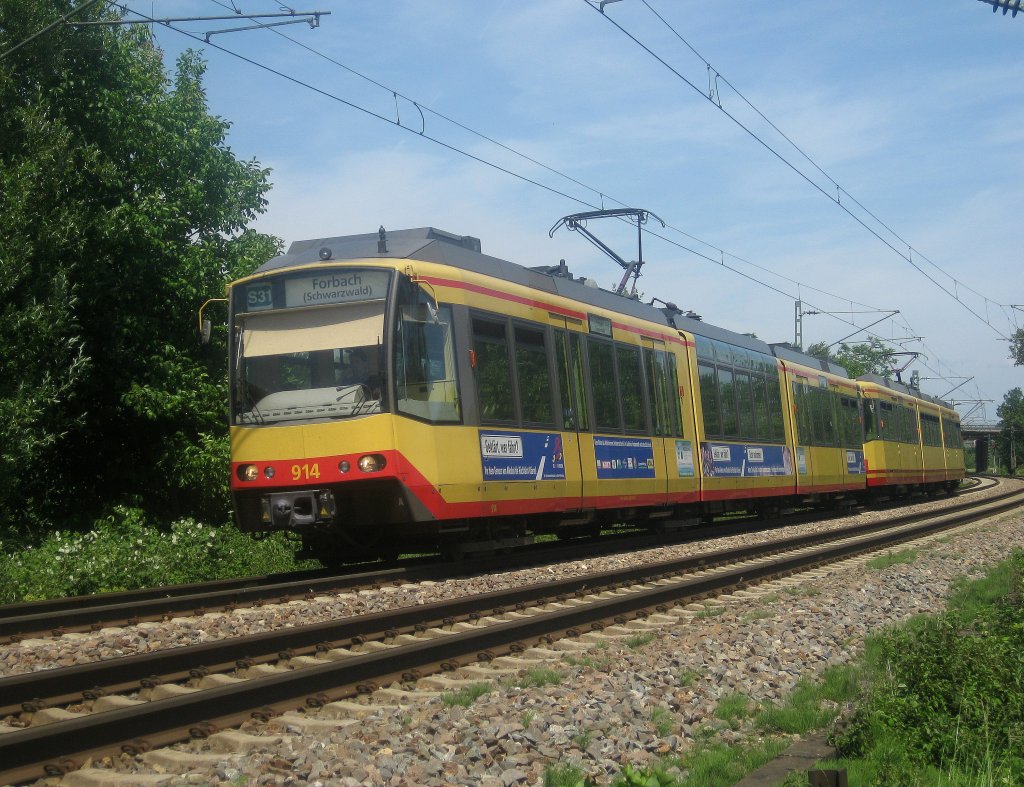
612	701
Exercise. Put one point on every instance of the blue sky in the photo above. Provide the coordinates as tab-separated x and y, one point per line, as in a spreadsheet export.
913	108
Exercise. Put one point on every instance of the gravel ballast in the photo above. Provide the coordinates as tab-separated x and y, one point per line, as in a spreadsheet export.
613	702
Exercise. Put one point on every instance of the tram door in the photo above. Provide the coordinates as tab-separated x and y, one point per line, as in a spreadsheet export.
571	386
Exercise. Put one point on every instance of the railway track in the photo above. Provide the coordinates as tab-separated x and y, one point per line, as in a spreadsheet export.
321	665
54	617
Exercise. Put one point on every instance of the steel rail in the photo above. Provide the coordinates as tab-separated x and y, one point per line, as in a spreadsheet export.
82	613
163	721
64	685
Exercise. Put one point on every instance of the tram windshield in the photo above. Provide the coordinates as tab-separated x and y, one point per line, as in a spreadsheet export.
318	362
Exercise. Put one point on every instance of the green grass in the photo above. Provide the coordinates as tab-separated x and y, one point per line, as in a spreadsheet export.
661	718
720	765
465	696
639	640
604	663
893	559
583	740
561	775
711	612
757	614
812	704
536	677
687	677
733	708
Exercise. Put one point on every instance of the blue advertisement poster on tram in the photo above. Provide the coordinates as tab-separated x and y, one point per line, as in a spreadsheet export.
854	462
624	457
521	456
737	460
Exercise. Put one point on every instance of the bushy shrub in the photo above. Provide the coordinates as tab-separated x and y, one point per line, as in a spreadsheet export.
123	552
949	688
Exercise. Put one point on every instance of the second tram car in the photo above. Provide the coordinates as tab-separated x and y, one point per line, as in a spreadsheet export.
403	390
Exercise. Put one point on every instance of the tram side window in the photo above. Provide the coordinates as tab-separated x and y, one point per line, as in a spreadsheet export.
870	421
631	386
425	364
745	405
709	400
571	381
602	376
849	421
951	430
887	422
653	360
662	392
824	420
727	398
910	429
761	412
533	376
775	408
672	394
493	370
804	421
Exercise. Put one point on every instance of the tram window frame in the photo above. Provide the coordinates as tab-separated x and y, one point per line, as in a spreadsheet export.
850	420
603	385
425	349
870	421
525	353
886	423
705	348
655	368
952	438
911	426
710	407
572	381
824	417
630	373
775	406
762	415
674	399
491	407
746	421
727	402
804	412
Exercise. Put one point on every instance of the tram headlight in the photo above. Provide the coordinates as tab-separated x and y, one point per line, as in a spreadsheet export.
344	466
372	463
268	471
248	473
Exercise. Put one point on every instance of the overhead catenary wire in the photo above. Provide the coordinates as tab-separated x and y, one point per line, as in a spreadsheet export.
597	192
713	97
720	261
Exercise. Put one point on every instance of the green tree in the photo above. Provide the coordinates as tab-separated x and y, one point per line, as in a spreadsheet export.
1017	347
870	357
1010	443
121	210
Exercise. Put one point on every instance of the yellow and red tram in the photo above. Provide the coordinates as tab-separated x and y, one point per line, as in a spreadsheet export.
405	390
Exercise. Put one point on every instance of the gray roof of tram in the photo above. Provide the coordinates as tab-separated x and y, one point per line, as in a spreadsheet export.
463	251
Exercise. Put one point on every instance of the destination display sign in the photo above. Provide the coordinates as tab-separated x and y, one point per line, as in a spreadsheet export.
317	288
314	288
